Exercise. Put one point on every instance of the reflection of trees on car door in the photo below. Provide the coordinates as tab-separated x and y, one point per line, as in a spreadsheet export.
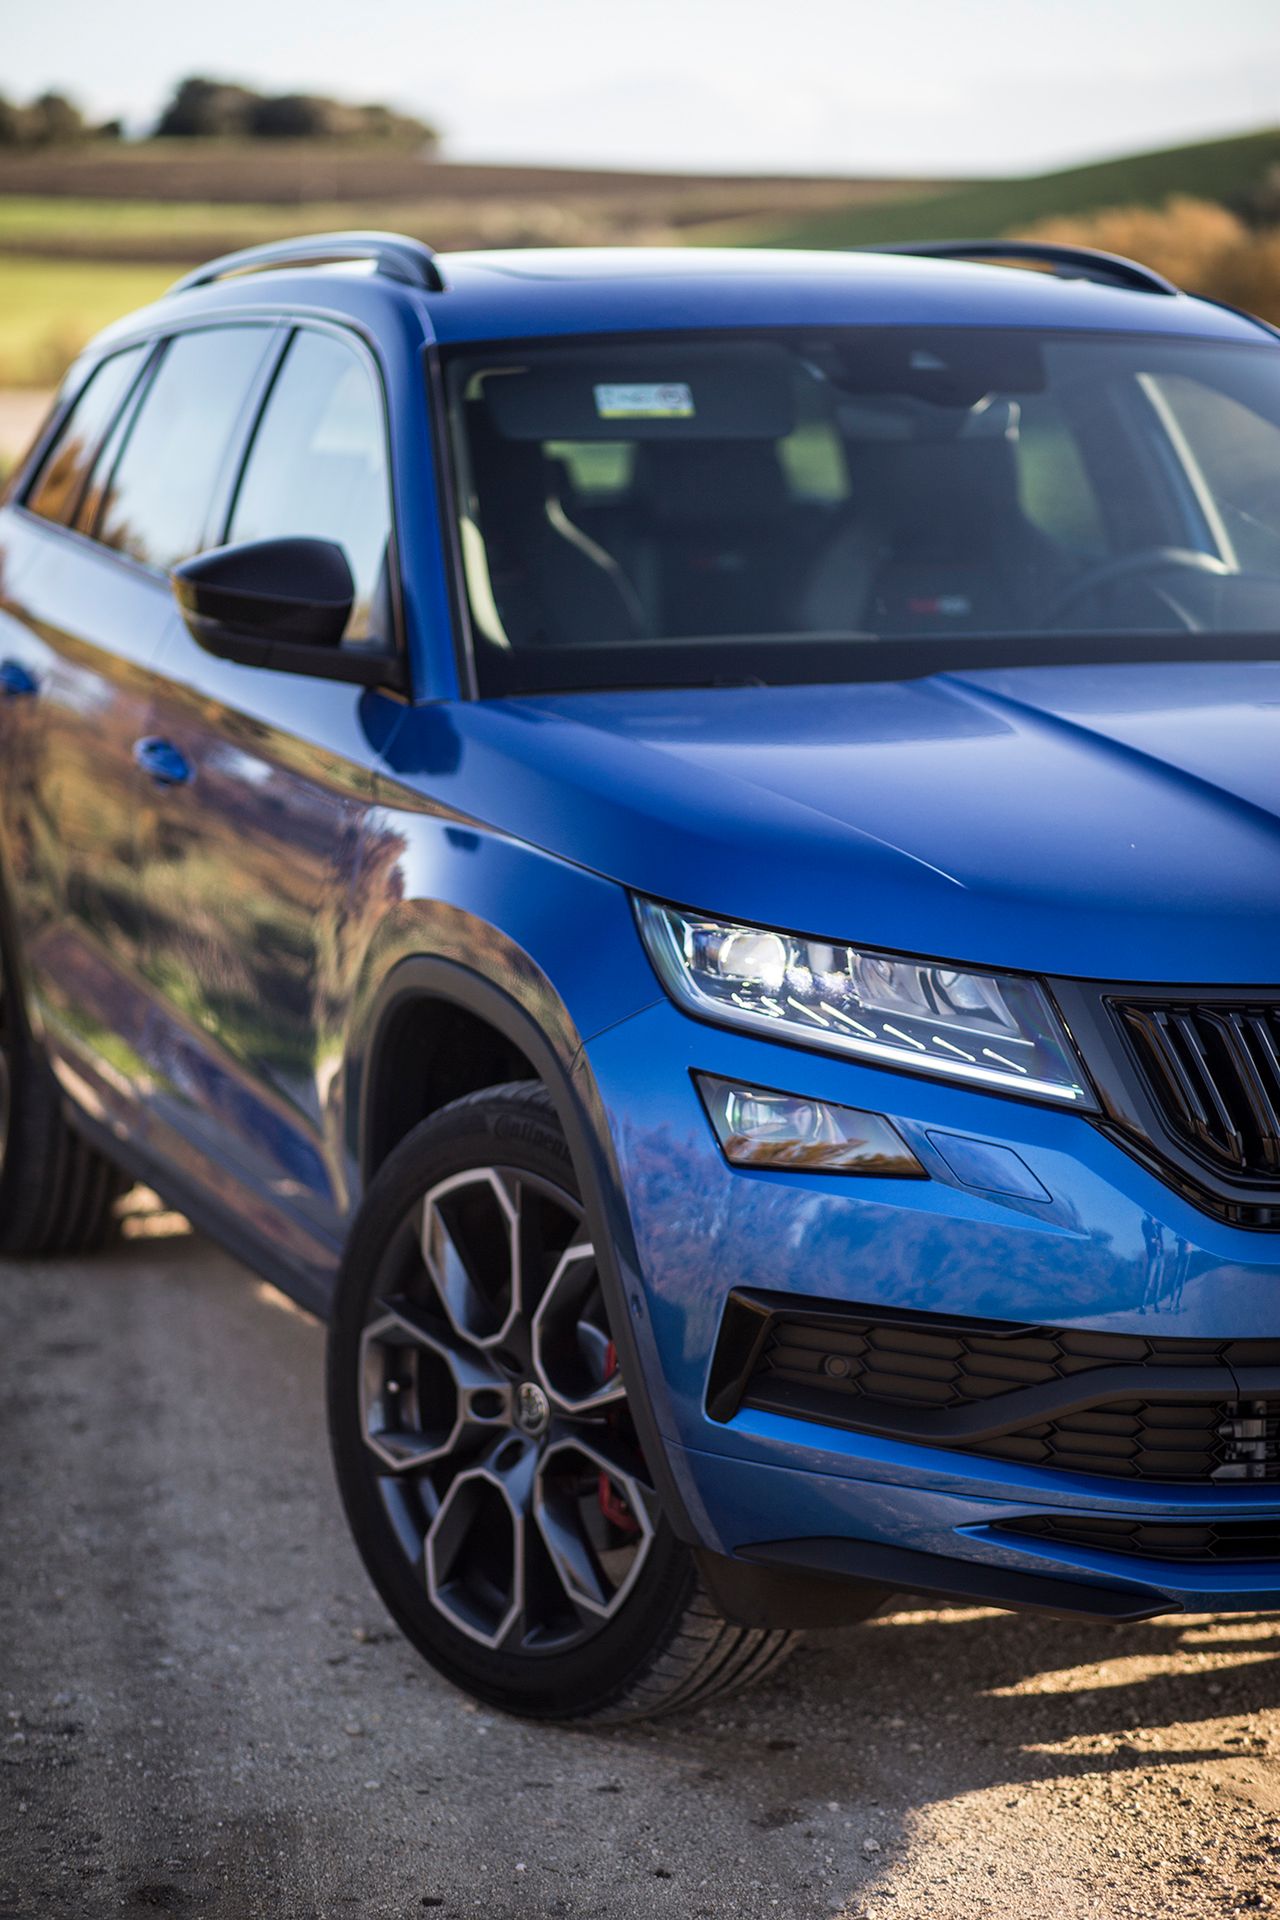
88	622
253	866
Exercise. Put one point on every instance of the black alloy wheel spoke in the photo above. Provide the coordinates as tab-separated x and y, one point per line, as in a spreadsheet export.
496	1416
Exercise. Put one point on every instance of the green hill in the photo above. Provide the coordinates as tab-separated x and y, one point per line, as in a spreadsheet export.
1225	170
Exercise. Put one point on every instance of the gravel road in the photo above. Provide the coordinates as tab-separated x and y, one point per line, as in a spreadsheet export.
208	1714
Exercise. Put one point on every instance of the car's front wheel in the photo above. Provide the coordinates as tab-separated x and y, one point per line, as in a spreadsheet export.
483	1442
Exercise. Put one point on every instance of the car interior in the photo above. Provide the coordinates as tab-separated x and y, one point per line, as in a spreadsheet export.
907	487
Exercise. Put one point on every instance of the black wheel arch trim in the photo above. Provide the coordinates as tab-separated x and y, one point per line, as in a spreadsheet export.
580	1110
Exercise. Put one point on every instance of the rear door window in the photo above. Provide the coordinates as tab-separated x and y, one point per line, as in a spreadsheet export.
157	503
317	469
65	472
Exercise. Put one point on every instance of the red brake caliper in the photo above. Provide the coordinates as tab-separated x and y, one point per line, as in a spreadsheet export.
612	1505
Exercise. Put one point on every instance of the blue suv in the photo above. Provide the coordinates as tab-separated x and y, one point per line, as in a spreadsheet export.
686	845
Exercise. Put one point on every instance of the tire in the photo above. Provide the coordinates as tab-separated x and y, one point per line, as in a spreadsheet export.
486	1460
57	1194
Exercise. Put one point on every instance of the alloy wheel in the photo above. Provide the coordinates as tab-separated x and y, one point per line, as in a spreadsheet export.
496	1419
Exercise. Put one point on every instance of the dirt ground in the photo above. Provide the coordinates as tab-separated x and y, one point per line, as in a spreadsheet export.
206	1712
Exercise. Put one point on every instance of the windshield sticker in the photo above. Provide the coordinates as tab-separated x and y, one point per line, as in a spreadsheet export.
665	400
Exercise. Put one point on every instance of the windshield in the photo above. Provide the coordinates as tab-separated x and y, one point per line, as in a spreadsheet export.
861	503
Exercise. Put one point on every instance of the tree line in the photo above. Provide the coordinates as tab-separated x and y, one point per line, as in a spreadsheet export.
205	109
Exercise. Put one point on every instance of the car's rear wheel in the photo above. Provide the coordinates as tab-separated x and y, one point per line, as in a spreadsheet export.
484	1448
57	1195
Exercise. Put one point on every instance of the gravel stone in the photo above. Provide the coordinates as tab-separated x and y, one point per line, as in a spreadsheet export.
206	1713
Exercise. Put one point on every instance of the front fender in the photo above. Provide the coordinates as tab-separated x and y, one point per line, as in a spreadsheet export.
576	967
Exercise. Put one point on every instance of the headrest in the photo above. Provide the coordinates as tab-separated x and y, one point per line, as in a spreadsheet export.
710	481
897	417
939	496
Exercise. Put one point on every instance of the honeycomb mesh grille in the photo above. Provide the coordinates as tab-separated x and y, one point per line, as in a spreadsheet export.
908	1362
1240	1540
1128	1440
848	1368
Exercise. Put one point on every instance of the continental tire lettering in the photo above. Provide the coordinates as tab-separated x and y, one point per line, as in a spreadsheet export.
512	1127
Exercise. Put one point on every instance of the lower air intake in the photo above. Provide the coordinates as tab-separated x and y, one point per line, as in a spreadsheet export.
1236	1540
1130	1407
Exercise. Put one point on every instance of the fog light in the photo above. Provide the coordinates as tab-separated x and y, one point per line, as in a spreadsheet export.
757	1127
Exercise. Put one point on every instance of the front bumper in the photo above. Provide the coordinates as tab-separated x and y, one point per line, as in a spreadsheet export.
1081	1236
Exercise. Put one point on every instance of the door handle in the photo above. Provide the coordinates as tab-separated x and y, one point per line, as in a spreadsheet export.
15	680
161	760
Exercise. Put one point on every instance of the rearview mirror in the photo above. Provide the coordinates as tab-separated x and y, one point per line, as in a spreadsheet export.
282	604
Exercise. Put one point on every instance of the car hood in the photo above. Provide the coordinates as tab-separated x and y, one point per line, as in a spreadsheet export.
1115	822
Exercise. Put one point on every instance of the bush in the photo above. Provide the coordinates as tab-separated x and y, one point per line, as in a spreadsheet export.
293	116
50	121
203	109
1196	243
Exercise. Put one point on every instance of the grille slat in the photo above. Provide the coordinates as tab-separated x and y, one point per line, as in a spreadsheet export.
1220	1129
1247	1035
1213	1072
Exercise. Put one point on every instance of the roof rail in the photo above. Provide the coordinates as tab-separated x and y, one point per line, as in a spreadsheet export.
1071	263
394	255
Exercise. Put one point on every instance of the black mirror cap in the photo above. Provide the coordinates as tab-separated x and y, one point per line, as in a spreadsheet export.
283	605
293	590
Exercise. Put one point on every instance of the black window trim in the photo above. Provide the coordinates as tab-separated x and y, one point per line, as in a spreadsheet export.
286	321
291	325
164	342
449	501
158	339
29	478
24	476
123	418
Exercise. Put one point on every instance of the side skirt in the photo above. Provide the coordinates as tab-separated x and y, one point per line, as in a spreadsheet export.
305	1288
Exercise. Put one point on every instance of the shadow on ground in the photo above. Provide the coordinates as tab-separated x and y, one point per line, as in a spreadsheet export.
209	1714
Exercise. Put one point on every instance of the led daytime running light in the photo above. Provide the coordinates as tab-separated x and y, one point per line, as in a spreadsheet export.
998	1031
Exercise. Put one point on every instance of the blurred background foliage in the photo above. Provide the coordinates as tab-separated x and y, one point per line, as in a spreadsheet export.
93	223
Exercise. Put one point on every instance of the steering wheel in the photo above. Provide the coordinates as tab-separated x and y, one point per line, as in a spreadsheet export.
1147	560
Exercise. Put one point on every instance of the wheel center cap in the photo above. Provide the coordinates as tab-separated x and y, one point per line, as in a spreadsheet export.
533	1409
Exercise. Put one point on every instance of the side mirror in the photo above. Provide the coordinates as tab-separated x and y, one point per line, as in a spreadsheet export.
282	604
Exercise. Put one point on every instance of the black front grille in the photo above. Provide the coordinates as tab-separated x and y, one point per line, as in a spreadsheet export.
924	1360
1129	1440
1188	1080
1213	1070
1239	1540
1131	1407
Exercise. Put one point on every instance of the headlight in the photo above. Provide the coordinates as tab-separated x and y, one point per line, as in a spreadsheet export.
992	1030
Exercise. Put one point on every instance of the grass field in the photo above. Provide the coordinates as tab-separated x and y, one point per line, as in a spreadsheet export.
50	308
1220	170
88	233
297	173
134	230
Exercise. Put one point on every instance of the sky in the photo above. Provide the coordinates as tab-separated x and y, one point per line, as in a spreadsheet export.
827	86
